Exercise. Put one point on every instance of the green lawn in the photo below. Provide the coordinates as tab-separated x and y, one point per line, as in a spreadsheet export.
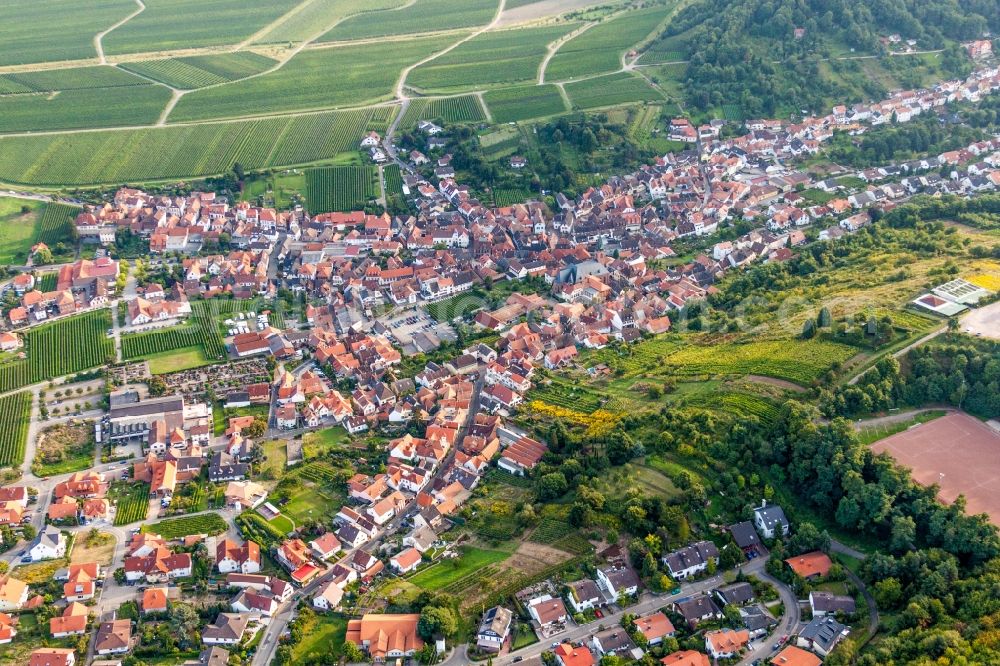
222	416
317	442
324	636
524	636
17	229
311	502
446	572
282	523
81	460
177	360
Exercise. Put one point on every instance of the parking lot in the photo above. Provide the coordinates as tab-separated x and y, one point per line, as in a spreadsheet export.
416	332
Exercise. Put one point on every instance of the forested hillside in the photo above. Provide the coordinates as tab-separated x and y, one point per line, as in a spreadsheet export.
772	56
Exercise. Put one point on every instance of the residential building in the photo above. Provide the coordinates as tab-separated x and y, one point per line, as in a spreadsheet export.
691	560
770	521
726	643
821	635
387	636
810	565
114	637
826	603
493	629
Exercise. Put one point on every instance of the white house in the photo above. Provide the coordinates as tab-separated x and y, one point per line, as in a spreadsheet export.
618	580
49	544
770	521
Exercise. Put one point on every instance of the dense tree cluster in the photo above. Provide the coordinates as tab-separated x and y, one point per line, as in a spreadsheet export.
767	54
965	373
923	136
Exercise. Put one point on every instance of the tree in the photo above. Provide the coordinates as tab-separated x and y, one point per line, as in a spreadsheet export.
435	622
824	320
352	653
808	329
157	386
184	623
255	429
552	486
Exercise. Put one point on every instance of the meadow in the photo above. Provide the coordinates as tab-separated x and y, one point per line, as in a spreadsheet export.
159	153
83	108
496	57
17	228
445	572
340	188
620	88
463	109
422	16
201	71
600	48
56	29
185	24
60	348
800	361
524	102
365	73
15	412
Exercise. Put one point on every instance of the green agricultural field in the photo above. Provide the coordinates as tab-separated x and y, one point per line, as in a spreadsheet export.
340	188
85	108
317	17
524	102
17	228
55	29
621	88
181	152
500	57
73	78
801	361
175	361
15	416
600	49
61	348
422	16
463	109
393	180
175	528
185	24
364	73
57	225
200	71
445	572
132	500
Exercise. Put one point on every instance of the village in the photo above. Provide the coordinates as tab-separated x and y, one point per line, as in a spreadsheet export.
318	319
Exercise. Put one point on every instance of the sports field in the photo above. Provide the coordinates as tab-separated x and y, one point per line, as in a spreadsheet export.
957	452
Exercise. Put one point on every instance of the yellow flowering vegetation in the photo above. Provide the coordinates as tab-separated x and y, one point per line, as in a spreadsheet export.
598	423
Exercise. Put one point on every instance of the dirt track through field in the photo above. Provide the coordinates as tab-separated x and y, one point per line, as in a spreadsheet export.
957	452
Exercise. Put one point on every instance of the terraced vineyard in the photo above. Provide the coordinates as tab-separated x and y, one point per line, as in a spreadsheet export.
15	417
177	152
621	88
183	24
462	109
494	57
55	29
647	356
566	395
83	108
422	16
340	188
600	48
57	224
61	348
800	361
73	78
175	528
318	472
524	102
133	502
393	179
742	405
368	74
550	531
201	331
141	345
201	71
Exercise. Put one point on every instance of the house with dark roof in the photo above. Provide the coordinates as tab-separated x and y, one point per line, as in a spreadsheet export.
735	593
746	539
821	635
826	603
691	560
697	609
770	521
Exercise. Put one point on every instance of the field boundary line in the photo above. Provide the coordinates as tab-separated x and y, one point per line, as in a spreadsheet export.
297	9
554	47
99	37
401	82
486	109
